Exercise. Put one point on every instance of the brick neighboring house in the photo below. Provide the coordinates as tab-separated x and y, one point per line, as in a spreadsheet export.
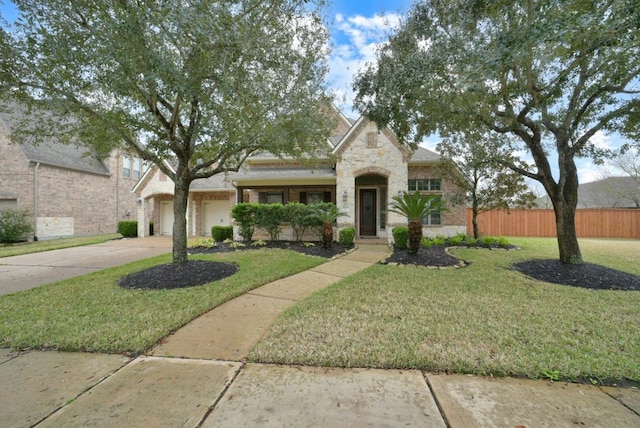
70	191
367	168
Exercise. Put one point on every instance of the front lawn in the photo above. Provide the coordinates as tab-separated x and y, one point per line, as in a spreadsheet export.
7	250
483	319
92	313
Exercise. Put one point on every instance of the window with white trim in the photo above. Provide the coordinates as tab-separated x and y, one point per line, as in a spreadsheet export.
424	185
126	166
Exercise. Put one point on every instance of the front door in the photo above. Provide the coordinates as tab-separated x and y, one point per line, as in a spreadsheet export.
368	212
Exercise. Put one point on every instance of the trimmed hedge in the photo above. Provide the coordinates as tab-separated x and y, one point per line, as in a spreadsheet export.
401	236
220	233
347	236
128	228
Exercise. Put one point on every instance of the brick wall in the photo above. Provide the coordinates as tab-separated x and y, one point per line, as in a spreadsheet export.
91	203
454	220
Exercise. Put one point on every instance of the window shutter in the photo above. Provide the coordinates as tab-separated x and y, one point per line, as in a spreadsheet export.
303	197
327	196
262	197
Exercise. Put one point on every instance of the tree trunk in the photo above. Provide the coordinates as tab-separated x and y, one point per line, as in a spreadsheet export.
415	236
565	201
474	220
327	234
566	231
180	198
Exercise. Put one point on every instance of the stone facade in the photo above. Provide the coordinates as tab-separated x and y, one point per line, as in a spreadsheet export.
369	152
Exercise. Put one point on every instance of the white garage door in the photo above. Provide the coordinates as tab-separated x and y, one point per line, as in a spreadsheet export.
166	218
215	213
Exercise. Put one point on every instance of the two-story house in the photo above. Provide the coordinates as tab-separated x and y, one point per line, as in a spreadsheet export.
69	189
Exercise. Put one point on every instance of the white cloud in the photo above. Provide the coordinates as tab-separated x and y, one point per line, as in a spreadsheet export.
363	37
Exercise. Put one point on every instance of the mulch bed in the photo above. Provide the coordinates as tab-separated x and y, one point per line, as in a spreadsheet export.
312	250
434	256
586	275
169	276
200	272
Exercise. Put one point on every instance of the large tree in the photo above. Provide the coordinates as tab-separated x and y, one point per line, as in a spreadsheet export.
476	164
203	84
551	73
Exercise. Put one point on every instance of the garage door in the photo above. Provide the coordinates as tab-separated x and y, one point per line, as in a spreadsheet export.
166	218
215	213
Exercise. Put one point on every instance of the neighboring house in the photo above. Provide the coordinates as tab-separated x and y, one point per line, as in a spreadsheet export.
611	192
71	191
367	168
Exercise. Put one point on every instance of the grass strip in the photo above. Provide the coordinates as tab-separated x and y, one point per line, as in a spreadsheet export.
92	313
7	250
483	319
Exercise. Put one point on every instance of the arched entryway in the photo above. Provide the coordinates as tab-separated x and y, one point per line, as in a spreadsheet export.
371	208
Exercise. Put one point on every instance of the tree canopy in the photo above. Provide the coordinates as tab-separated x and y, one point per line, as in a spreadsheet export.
203	84
476	164
550	73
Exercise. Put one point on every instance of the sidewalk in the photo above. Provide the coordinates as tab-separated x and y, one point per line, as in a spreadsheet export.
198	377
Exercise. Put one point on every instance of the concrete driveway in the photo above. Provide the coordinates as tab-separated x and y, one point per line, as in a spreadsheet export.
32	270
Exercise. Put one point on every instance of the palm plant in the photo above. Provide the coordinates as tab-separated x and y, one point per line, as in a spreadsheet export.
415	207
326	216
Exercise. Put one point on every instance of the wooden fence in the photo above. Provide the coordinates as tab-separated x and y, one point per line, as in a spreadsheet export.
590	223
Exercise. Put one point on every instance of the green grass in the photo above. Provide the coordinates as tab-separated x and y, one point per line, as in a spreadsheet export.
92	313
21	248
482	319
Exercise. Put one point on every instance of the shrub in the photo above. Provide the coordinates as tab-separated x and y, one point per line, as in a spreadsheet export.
325	214
270	218
150	228
488	241
457	240
347	236
299	217
15	225
258	243
503	242
245	215
426	242
400	236
205	243
220	233
128	228
438	240
471	241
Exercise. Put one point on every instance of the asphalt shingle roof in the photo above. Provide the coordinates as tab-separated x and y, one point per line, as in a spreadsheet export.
52	152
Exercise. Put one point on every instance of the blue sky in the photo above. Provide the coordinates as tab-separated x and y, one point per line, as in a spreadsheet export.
357	28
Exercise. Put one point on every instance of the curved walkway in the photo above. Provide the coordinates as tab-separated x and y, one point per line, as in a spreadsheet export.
198	377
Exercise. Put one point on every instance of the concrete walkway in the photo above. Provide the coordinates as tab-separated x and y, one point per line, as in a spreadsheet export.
198	377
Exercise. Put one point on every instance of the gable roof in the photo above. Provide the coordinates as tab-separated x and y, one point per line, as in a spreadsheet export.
52	152
423	156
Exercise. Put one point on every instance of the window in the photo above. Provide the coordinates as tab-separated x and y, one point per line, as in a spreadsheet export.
433	218
315	197
137	168
423	184
126	166
274	198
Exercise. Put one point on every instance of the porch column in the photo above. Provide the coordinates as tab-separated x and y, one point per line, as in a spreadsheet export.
143	223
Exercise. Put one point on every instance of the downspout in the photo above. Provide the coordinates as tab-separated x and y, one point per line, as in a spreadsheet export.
35	201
